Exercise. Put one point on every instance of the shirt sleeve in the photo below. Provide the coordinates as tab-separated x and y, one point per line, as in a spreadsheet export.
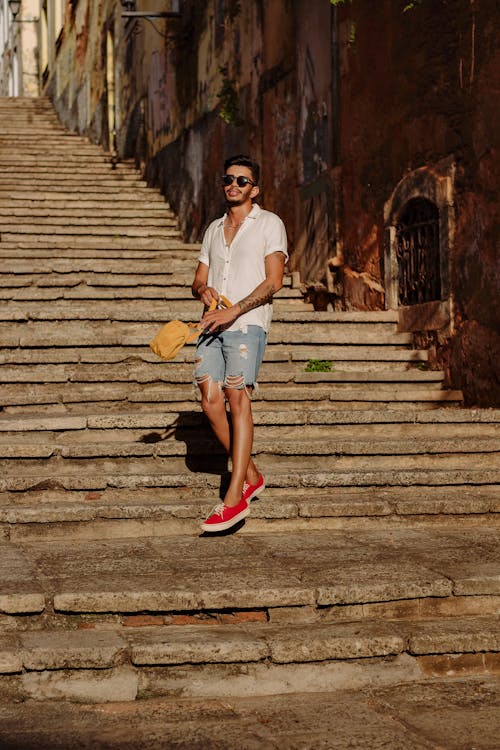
204	256
275	234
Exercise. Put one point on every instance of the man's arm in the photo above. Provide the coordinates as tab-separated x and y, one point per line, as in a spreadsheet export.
262	294
199	289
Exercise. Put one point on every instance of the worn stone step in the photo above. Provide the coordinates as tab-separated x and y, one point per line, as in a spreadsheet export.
347	357
98	474
84	293
53	167
70	181
95	242
56	196
12	214
108	333
10	232
26	223
437	421
314	442
81	397
397	706
121	310
35	206
37	268
49	514
152	372
47	191
179	250
60	146
249	571
152	660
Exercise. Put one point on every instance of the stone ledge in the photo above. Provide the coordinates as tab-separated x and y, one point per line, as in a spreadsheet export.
173	645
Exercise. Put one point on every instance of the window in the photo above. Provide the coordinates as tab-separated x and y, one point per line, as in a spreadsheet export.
418	252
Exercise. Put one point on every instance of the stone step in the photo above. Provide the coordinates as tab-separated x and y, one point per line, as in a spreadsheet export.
163	310
46	160
101	230
51	167
281	442
28	224
347	360
11	213
111	242
84	292
116	333
398	702
35	268
51	514
281	472
237	572
85	195
447	421
60	144
341	357
55	172
173	250
151	660
136	191
159	371
81	397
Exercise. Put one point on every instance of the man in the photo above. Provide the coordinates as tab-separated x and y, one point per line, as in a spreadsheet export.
242	258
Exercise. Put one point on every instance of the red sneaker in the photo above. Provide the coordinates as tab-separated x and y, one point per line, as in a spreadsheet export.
253	490
222	517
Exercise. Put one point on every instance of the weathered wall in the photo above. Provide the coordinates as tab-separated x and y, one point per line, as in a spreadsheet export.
415	88
338	104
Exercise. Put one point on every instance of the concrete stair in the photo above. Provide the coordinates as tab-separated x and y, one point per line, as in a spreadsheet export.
372	557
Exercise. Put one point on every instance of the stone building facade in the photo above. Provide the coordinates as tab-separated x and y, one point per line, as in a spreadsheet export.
376	126
19	44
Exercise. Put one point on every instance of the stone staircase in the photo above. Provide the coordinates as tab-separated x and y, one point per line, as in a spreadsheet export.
372	557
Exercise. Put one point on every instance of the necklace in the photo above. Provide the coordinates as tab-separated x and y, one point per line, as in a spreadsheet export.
234	226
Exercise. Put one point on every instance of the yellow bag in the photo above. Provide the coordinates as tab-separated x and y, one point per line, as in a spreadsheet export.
172	336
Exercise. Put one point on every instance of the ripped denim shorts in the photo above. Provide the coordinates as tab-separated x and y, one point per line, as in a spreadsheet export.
230	358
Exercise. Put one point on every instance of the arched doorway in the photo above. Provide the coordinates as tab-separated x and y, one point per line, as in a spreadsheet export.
419	230
418	254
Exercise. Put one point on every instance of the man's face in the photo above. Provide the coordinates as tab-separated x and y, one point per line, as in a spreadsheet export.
236	195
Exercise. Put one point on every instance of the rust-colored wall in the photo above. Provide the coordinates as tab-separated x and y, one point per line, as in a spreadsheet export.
338	104
415	88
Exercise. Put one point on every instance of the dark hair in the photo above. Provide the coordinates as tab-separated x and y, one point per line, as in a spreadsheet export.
244	161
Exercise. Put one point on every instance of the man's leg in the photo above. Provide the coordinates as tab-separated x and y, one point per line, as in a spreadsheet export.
241	449
243	352
210	364
214	407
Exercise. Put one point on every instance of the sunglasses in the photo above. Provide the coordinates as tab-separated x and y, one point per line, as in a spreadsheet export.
241	180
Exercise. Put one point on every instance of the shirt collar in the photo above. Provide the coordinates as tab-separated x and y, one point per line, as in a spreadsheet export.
255	211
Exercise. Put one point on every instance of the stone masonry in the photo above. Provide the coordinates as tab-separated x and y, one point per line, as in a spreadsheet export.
371	560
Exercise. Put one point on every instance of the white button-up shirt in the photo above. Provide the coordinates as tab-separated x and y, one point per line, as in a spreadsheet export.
236	270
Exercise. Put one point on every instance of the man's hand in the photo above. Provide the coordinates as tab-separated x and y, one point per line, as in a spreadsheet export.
219	319
207	294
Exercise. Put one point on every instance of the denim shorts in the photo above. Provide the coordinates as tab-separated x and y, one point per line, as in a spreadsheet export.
230	358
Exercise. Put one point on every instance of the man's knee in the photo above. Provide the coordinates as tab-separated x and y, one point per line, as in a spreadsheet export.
211	393
238	394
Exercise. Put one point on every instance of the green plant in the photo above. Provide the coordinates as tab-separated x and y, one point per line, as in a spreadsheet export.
228	99
319	365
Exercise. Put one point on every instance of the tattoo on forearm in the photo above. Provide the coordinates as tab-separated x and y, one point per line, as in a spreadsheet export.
257	298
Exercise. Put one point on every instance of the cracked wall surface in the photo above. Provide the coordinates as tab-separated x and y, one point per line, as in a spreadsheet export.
338	104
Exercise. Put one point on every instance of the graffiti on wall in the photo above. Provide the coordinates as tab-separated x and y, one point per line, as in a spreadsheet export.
158	95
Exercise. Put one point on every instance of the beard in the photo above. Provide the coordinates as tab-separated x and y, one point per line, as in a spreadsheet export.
236	200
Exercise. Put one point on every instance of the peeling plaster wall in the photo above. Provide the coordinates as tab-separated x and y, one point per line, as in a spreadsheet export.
416	88
338	105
